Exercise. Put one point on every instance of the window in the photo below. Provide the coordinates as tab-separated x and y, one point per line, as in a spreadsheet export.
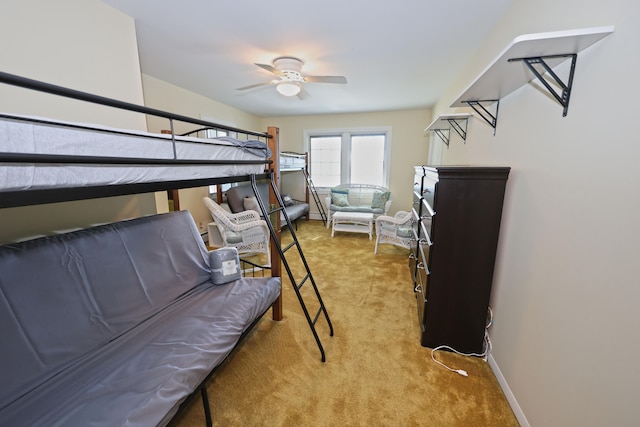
353	156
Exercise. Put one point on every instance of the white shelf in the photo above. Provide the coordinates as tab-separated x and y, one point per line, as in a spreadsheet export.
442	121
503	76
443	124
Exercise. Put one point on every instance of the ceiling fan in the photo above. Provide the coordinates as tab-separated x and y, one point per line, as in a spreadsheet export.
291	77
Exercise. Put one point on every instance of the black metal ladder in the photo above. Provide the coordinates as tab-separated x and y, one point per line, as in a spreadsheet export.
297	284
314	193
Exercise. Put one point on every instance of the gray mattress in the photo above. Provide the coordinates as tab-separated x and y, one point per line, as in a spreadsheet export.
115	325
22	134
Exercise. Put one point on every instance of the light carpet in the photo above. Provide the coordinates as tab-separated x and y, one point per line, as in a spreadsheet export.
376	373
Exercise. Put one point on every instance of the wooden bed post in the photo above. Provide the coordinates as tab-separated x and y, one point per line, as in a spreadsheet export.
276	262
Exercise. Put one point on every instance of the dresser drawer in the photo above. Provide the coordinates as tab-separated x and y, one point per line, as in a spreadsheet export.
421	282
413	252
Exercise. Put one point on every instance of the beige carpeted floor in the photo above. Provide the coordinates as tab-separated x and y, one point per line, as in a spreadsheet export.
376	373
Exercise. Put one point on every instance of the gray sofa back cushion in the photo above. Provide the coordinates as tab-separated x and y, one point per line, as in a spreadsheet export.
236	195
64	296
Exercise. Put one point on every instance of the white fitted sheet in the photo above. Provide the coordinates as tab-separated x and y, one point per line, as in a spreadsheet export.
33	135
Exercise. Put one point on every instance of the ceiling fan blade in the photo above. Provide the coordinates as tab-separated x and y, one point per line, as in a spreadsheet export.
303	94
326	79
254	85
270	68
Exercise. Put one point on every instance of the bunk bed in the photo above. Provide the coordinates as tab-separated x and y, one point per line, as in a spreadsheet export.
44	161
289	163
283	162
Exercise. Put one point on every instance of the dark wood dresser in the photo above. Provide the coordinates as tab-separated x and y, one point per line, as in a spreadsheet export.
457	211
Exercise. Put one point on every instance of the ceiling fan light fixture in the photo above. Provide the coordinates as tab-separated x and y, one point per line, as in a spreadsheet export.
288	88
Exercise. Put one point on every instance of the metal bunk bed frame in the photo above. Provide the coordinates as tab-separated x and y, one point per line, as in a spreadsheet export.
42	196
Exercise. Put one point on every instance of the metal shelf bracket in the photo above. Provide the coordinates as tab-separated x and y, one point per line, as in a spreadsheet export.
443	124
484	113
444	134
565	89
456	124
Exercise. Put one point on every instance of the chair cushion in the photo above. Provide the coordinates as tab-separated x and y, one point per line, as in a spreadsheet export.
404	231
233	237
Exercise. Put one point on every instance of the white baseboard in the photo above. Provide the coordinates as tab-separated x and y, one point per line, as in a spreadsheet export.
511	398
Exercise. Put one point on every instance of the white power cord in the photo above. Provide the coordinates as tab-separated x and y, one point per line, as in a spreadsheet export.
484	354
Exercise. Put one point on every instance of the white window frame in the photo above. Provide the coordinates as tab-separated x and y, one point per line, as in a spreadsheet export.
346	134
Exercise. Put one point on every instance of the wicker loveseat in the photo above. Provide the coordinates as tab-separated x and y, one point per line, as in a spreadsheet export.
365	198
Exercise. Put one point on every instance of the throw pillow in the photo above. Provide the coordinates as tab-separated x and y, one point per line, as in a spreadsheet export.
250	203
380	199
288	201
340	197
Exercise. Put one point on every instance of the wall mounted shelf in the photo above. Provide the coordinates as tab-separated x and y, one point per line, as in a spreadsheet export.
528	57
442	126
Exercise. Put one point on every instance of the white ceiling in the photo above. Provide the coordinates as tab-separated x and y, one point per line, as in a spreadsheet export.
395	54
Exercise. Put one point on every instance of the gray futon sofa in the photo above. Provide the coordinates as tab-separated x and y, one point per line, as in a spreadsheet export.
118	324
236	200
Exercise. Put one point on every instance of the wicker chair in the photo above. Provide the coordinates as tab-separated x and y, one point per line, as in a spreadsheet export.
395	230
244	230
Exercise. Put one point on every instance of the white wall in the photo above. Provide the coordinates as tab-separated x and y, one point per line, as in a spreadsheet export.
409	144
566	286
85	45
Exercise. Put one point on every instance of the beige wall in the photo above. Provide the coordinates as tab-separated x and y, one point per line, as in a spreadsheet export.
165	96
566	286
409	144
85	45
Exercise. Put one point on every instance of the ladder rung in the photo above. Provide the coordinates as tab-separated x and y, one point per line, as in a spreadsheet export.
278	209
315	319
285	249
302	282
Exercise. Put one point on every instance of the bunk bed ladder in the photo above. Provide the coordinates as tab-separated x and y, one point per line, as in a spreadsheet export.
308	278
314	193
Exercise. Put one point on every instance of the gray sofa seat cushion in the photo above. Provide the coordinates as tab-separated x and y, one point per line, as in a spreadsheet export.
236	195
112	325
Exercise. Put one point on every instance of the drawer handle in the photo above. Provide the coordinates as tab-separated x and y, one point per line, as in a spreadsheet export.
418	288
420	265
412	256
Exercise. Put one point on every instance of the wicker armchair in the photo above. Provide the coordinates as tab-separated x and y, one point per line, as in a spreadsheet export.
395	230
244	230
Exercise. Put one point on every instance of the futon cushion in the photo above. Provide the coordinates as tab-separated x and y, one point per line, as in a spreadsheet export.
67	295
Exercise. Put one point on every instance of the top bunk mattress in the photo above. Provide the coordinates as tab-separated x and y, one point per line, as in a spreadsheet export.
148	157
290	160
